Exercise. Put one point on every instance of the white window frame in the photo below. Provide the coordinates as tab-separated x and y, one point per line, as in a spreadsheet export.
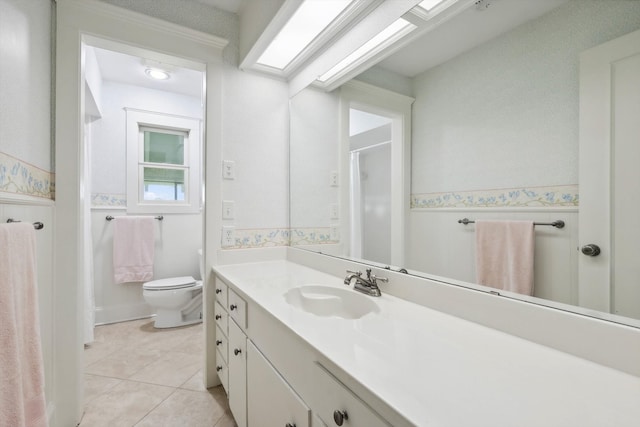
137	122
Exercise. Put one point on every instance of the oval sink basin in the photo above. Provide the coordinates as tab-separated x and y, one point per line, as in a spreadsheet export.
327	301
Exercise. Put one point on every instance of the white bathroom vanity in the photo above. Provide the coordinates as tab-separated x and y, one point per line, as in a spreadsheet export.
296	347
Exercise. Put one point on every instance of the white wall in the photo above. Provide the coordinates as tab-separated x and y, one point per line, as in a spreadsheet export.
501	120
178	236
25	148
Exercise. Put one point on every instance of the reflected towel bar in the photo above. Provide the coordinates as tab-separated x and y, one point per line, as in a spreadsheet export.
37	225
557	224
111	218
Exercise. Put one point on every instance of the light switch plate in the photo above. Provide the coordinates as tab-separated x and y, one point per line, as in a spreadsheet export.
334	179
334	211
228	209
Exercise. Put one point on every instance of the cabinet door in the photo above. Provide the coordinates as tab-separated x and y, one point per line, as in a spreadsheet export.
270	400
238	374
340	406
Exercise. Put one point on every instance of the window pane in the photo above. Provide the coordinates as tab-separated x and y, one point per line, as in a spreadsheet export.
162	147
164	184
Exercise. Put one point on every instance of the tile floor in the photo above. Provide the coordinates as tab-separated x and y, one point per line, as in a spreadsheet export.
136	375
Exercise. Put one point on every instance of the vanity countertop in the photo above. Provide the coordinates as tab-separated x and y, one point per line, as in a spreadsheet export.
435	369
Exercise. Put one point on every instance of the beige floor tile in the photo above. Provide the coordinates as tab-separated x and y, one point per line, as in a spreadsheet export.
226	421
171	369
195	383
187	408
95	385
124	405
123	363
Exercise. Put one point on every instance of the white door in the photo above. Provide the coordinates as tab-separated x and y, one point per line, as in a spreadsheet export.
610	177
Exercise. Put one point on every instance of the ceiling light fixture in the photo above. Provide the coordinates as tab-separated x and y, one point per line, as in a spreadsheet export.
429	4
382	40
157	74
310	19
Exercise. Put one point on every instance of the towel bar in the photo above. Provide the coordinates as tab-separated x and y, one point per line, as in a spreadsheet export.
37	225
557	224
111	218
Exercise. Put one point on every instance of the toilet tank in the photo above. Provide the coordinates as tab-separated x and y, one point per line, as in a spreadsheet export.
201	258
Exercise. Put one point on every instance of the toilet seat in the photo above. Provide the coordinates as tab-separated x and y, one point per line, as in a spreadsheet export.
170	283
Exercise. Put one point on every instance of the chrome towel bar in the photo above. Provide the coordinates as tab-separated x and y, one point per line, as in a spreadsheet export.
111	218
37	225
557	224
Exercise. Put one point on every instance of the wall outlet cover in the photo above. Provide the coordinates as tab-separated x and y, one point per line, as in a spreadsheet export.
334	211
334	180
229	169
228	236
334	232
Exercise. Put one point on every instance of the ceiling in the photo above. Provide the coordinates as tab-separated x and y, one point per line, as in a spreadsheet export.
468	29
127	69
461	33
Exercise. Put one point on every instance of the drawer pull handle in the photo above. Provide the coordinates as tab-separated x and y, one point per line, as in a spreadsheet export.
290	425
218	291
218	368
218	316
237	351
339	417
218	342
233	306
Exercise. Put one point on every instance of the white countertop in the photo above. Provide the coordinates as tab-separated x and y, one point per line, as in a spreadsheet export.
438	370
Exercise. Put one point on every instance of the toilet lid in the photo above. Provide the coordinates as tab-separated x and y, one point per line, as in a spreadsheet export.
170	283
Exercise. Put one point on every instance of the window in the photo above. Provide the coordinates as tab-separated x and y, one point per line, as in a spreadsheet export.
163	163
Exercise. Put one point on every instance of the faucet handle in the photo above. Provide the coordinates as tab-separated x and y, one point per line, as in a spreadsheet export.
357	273
375	279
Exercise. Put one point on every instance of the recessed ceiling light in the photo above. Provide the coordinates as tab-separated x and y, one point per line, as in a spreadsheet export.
309	20
157	74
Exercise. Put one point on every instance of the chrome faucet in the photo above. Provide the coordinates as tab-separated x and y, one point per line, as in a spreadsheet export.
368	285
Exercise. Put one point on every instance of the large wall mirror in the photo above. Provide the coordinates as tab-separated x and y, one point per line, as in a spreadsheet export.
498	113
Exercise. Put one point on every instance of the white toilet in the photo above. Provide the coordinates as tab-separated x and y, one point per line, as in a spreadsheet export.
177	300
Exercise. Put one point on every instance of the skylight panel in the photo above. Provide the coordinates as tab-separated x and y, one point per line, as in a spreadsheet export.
429	4
386	37
309	20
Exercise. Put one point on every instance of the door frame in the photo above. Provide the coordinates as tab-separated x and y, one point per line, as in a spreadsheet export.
77	19
375	100
596	134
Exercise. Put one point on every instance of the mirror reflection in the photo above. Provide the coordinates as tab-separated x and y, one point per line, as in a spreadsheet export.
495	135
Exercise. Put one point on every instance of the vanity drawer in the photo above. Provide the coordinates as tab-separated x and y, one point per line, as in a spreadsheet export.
237	309
221	292
223	371
222	344
222	318
339	400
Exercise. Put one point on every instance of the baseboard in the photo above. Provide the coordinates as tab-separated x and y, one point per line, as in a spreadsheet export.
122	313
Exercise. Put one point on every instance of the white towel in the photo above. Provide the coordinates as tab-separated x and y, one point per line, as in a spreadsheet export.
504	255
133	248
22	400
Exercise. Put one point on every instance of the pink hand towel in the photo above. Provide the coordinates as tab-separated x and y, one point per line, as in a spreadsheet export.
22	400
133	248
504	255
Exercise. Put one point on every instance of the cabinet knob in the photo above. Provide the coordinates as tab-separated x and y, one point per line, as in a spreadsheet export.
233	306
218	316
290	425
590	250
218	291
218	368
237	351
339	417
218	342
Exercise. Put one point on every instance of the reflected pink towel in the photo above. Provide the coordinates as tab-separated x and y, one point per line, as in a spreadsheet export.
504	255
22	400
133	248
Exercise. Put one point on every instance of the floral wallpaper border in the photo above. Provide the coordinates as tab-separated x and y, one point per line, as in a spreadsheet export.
520	197
19	177
260	238
271	237
109	200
